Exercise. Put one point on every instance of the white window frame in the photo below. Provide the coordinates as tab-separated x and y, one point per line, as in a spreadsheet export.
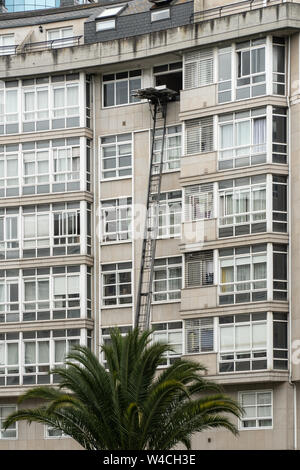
131	100
117	270
117	207
61	41
172	132
117	143
199	202
7	49
256	418
9	428
166	333
168	208
198	325
159	15
167	279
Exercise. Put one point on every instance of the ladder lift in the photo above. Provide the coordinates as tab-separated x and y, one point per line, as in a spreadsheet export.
158	99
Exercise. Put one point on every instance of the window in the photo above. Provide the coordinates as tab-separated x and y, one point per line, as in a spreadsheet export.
279	188
251	77
242	138
167	279
118	87
116	284
67	228
116	156
199	202
242	206
106	25
106	339
169	214
36	231
52	433
258	407
9	236
278	66
116	220
199	335
160	15
67	293
9	170
27	357
60	37
172	334
199	269
198	68
279	272
280	341
9	359
243	274
169	75
225	75
279	134
9	297
199	135
66	101
11	431
7	44
9	117
36	104
172	148
243	342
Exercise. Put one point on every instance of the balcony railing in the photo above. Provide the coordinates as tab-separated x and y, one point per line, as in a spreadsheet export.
52	44
233	8
8	50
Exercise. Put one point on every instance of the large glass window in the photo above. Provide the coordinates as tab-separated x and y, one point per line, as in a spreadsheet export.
225	75
243	274
278	66
116	220
9	296
242	137
242	206
9	117
251	68
167	279
243	342
118	87
9	233
116	284
258	409
116	156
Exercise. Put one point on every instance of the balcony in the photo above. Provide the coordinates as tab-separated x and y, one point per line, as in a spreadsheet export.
53	44
232	8
8	50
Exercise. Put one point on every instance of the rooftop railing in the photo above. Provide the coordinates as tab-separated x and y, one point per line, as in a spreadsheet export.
52	44
232	8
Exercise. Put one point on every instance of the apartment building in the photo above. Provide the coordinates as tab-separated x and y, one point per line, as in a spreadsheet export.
75	149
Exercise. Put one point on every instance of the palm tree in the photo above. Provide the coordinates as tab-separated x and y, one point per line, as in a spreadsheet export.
130	405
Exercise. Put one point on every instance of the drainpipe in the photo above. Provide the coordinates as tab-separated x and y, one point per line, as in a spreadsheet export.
290	251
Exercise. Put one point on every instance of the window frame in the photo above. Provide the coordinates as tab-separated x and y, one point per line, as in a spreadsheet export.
256	428
117	156
166	267
117	80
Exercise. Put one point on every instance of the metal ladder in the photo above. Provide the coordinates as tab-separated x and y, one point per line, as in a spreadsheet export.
158	99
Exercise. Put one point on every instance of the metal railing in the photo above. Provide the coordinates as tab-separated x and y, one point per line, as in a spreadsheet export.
52	44
8	50
233	8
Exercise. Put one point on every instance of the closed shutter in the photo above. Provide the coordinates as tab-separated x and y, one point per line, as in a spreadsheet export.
198	69
199	269
198	202
199	335
199	135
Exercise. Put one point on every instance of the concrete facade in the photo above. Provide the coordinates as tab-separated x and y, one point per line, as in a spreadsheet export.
225	288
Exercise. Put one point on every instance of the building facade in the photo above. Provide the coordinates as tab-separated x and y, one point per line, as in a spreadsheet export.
75	149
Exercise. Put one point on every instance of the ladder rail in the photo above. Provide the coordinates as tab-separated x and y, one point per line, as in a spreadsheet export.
144	297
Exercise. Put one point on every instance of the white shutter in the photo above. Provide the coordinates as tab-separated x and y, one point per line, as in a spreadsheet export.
199	269
199	335
199	135
198	68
